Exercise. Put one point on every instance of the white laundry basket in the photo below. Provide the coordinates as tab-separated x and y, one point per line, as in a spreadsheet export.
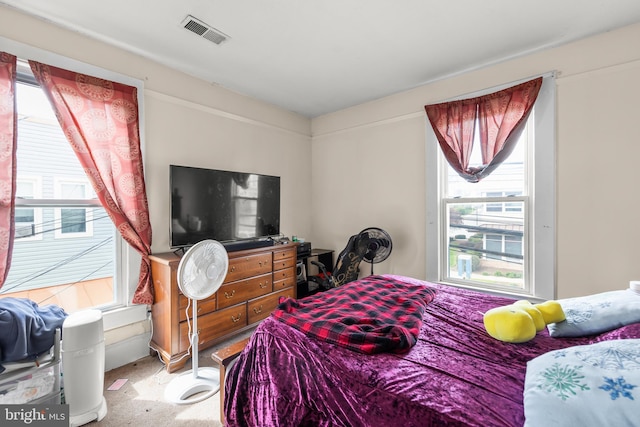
83	366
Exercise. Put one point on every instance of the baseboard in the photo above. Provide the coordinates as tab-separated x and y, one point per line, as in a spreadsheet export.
126	351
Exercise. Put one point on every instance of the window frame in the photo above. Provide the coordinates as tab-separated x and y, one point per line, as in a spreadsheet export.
127	259
540	238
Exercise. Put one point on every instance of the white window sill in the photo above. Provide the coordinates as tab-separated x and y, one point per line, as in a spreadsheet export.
123	316
515	295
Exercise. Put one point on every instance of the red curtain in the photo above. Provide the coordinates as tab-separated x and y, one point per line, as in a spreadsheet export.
8	126
100	120
501	116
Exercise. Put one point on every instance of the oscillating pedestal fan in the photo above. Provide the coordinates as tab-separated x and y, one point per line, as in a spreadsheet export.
378	243
201	271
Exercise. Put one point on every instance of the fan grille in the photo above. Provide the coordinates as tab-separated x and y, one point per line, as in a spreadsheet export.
378	243
202	269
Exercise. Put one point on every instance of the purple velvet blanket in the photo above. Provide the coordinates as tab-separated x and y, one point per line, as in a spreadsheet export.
455	375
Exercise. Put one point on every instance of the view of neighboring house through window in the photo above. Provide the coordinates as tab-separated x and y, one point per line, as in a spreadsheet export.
487	222
64	248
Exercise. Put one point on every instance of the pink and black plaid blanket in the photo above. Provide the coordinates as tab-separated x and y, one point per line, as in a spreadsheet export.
372	315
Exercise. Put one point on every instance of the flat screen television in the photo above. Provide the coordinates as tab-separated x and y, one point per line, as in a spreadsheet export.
227	206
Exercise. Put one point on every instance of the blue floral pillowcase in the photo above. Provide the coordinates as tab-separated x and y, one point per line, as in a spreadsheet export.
597	313
589	385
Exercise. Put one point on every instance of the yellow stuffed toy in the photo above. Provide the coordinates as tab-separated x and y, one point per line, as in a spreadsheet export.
521	321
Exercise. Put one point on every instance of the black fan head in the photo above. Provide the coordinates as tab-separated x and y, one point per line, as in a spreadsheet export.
378	244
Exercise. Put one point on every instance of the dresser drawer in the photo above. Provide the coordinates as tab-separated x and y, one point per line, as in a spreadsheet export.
262	307
280	254
284	274
236	292
283	263
284	283
247	266
204	306
215	325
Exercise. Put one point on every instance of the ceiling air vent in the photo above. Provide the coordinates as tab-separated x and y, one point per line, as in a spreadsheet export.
203	30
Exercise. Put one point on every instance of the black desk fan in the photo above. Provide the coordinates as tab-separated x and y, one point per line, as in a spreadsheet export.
378	243
372	245
201	271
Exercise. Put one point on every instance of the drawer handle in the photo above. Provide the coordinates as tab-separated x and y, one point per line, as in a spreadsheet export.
257	310
228	295
235	319
263	285
233	268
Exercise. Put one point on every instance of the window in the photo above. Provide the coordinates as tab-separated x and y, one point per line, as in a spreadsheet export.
490	207
57	258
28	220
246	205
67	251
74	222
506	206
498	234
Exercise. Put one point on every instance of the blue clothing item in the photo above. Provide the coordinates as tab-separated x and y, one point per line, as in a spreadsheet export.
27	330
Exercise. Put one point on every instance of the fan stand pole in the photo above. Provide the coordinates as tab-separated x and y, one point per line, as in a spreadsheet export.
195	339
196	384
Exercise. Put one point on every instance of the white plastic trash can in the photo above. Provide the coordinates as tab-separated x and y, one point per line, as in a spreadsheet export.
83	366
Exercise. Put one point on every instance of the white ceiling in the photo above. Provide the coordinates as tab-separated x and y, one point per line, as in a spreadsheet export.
315	57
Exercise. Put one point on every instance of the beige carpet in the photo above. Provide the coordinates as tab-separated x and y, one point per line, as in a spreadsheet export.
141	400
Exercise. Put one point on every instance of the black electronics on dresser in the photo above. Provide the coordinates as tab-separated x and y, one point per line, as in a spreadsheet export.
304	249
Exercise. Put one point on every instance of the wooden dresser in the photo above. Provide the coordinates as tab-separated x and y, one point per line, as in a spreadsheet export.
250	292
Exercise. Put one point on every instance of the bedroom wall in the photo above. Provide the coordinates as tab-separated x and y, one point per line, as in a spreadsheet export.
189	122
369	160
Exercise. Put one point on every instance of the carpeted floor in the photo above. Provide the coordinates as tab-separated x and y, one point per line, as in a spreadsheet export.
140	401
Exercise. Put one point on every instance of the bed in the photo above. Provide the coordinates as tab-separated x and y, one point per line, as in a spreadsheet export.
454	374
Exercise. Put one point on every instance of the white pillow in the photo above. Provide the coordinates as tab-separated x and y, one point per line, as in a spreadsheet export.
597	313
588	385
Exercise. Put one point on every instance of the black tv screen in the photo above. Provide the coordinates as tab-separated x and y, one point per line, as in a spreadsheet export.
222	205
